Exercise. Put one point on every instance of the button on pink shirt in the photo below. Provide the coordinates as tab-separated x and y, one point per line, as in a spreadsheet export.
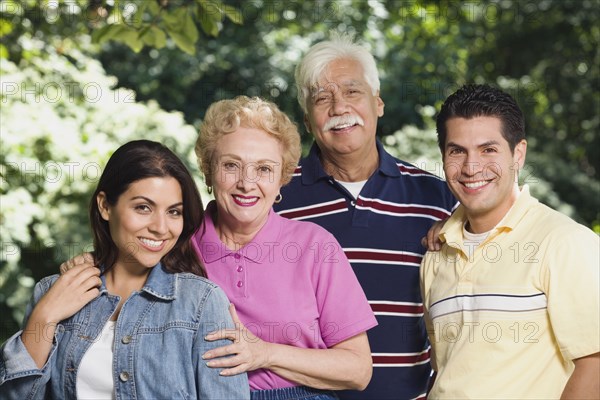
292	284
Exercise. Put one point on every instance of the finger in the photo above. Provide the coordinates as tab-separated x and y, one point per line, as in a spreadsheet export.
231	334
85	258
68	270
82	259
229	362
65	266
83	270
89	278
89	296
424	242
436	236
77	276
235	371
88	257
431	240
220	352
82	266
93	282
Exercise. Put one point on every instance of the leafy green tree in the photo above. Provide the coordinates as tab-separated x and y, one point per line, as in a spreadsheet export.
136	23
60	119
543	52
546	54
162	62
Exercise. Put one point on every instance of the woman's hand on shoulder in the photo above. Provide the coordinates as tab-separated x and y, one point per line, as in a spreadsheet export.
71	291
80	259
247	352
77	286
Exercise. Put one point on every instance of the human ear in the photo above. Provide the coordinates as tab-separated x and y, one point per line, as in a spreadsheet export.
520	153
306	123
380	105
103	206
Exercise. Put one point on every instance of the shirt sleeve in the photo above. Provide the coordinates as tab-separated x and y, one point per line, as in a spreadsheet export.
343	306
209	384
572	283
20	377
425	281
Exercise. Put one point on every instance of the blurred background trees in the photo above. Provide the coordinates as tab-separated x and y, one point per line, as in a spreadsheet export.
80	77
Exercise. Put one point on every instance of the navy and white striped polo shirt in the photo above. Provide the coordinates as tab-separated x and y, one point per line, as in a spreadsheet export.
381	233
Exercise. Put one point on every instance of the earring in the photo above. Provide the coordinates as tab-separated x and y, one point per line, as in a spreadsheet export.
278	198
209	189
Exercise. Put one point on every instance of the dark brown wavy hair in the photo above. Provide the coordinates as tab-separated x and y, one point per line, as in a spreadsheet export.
136	160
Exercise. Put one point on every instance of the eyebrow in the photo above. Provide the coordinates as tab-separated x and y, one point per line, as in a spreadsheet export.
453	145
264	160
489	143
484	144
325	88
353	83
152	202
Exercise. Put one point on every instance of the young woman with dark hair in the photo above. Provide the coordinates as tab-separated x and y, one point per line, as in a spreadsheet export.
133	328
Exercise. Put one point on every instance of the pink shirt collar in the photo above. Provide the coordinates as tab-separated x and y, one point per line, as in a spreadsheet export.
257	250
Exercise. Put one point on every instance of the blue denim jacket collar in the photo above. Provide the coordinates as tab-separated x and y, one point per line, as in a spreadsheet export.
148	329
159	284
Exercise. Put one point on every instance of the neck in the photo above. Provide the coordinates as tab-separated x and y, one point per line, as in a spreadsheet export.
477	225
119	279
235	236
122	282
351	167
485	222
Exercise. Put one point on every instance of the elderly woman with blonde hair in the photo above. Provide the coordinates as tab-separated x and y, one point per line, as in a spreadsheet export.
300	312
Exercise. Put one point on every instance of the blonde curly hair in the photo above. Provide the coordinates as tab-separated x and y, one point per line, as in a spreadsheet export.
226	116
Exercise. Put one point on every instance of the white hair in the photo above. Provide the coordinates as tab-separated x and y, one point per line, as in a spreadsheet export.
319	56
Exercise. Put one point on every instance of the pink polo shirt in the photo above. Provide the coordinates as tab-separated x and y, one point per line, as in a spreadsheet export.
292	284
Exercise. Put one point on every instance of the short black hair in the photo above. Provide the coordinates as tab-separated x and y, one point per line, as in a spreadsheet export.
472	101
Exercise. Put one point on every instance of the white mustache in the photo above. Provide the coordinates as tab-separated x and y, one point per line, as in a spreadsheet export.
343	120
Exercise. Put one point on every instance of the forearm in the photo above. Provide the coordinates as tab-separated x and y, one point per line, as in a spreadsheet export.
584	382
38	337
347	365
21	373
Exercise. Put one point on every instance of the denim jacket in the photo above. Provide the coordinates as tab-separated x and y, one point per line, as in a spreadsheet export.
159	341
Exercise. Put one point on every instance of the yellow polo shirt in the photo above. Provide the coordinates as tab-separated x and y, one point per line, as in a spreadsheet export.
508	323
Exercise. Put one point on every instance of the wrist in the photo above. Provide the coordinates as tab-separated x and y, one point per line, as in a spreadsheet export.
36	330
269	355
42	318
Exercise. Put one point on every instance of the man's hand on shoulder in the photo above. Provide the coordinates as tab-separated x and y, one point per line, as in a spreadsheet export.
432	241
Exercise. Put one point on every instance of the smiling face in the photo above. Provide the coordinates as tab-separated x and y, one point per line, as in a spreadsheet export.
481	170
343	112
246	179
146	221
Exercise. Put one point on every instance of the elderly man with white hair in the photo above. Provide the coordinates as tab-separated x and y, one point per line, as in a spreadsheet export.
377	207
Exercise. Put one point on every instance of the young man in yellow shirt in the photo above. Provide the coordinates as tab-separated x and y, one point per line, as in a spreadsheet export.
512	299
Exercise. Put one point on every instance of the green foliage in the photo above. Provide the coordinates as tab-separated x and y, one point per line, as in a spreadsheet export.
190	53
135	23
61	118
546	54
420	147
542	52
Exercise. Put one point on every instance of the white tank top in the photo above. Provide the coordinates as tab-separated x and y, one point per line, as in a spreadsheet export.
94	377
